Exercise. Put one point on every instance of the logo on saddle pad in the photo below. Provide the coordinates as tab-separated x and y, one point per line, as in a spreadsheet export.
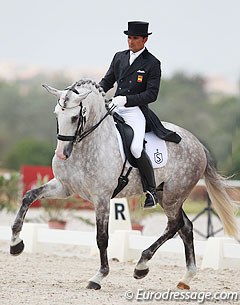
158	157
155	148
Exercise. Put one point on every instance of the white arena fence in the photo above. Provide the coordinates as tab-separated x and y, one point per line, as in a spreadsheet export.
126	244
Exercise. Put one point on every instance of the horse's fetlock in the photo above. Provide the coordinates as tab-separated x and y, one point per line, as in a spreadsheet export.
16	227
105	271
147	254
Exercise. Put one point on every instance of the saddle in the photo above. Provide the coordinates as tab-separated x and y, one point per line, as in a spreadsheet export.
126	133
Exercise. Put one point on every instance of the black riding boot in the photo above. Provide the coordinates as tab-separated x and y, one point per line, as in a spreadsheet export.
144	165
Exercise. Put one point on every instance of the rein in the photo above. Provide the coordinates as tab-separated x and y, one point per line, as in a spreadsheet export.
79	133
80	125
90	130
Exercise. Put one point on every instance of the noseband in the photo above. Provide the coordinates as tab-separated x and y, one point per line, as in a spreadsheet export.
80	125
79	133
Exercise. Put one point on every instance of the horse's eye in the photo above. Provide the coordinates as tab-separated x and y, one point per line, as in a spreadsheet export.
74	119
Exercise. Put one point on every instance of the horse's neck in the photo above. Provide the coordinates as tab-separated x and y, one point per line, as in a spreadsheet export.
93	154
105	132
102	141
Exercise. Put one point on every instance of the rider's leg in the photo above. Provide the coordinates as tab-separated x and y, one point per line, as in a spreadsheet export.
134	117
146	170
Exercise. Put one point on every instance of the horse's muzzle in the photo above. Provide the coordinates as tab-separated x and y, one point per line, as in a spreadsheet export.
68	150
62	151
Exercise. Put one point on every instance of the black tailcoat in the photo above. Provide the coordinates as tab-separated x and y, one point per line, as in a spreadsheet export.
140	83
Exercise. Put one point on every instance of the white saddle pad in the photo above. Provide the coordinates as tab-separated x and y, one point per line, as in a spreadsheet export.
155	148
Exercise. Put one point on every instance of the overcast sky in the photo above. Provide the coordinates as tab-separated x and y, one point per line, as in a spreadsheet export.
195	36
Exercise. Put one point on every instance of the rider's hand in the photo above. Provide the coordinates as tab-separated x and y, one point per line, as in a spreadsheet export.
118	101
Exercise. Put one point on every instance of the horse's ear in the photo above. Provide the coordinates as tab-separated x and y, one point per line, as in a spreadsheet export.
53	91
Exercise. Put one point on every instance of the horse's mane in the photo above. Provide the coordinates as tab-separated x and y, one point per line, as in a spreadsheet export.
92	85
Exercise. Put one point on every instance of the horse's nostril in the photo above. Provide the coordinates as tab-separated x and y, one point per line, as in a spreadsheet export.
68	150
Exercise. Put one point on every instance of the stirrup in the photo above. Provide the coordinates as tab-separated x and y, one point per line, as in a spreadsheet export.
154	201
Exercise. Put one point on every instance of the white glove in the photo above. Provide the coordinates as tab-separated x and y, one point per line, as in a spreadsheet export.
118	101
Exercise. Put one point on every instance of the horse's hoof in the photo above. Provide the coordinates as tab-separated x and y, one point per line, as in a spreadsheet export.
139	274
183	286
93	285
17	249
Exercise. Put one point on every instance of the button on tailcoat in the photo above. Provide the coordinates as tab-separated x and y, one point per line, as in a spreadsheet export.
140	83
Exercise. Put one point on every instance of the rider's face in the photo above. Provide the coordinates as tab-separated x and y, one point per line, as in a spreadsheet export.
136	43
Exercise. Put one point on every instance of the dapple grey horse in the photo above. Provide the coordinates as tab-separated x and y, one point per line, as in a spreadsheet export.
88	162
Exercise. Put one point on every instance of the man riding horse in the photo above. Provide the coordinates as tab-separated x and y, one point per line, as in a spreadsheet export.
138	73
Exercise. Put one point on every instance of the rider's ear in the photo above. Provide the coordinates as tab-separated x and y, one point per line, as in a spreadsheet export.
53	91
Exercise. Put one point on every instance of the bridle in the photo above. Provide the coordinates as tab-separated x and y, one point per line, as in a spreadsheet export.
80	134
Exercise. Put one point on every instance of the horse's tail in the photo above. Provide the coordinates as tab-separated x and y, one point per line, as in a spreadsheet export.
219	194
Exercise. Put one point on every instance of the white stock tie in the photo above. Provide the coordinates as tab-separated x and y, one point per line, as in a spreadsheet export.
132	58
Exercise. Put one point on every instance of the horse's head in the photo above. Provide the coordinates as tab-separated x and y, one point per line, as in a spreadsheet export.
70	112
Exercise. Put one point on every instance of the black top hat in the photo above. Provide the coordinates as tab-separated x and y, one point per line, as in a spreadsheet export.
137	28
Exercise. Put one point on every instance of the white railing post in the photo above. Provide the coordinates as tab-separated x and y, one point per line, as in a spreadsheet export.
215	255
29	235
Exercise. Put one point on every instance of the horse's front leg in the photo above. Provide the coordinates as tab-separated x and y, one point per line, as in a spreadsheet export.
102	219
52	189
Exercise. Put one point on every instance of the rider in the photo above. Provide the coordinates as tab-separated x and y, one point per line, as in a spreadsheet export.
138	73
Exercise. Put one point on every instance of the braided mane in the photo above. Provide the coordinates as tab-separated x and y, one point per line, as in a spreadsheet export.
90	84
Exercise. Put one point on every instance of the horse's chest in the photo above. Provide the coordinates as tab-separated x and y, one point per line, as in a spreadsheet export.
77	175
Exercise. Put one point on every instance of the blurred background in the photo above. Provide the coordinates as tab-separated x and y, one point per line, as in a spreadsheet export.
59	42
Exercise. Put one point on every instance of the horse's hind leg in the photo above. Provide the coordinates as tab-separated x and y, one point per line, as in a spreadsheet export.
52	189
186	233
173	226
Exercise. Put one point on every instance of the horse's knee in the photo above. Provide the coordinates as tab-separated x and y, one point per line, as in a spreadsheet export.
30	196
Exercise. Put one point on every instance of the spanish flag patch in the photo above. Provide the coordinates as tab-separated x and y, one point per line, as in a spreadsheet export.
139	78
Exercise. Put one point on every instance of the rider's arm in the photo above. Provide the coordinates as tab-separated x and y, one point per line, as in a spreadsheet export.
109	79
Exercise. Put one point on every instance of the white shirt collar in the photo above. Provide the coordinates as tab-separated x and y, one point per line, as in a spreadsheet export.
136	54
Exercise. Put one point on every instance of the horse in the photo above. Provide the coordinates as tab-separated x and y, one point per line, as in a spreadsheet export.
87	162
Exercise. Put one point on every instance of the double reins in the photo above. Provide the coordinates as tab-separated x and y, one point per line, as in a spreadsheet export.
80	125
79	133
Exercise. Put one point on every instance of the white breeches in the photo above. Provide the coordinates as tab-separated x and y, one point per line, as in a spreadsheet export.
134	117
